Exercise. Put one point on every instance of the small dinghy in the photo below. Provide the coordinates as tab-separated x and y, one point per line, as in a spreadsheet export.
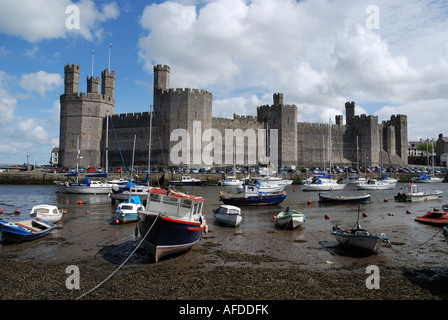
359	238
127	211
228	215
435	218
46	212
289	219
21	230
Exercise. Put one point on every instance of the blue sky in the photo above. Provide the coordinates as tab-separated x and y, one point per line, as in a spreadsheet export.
390	59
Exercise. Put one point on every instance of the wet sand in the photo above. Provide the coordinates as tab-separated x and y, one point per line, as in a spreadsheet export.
254	261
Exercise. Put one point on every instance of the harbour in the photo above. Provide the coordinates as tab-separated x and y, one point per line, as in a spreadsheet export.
254	260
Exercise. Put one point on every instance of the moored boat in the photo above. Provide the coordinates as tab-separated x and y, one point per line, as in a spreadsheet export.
411	193
373	184
327	198
253	197
228	215
20	230
46	212
172	222
323	184
435	218
88	186
289	219
424	178
187	181
359	238
127	211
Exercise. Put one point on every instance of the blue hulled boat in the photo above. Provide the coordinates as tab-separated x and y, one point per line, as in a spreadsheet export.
172	222
251	196
20	230
127	211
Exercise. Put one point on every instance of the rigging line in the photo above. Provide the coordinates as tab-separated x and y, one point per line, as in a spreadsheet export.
119	149
121	265
412	248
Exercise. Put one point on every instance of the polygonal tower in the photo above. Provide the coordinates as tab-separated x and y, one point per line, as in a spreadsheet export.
82	116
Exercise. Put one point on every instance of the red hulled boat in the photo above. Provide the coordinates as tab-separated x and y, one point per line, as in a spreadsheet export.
435	218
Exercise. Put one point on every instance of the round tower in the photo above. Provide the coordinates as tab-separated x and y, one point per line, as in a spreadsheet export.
71	78
108	83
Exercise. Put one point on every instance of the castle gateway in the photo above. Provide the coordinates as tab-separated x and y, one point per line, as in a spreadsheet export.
189	111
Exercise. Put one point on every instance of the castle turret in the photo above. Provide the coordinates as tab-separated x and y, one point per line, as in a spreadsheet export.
93	85
349	111
108	83
161	79
71	78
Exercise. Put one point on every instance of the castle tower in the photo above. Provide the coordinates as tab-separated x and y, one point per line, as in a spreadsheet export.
71	78
82	115
161	79
93	85
107	83
349	111
284	119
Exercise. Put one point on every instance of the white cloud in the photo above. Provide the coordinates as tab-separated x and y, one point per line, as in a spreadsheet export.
39	20
8	102
318	53
41	82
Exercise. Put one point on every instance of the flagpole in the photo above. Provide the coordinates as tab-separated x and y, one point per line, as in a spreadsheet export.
93	57
110	46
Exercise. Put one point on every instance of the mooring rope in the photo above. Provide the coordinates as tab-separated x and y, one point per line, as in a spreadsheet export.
120	266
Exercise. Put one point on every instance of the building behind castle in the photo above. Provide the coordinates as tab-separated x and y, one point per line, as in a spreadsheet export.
302	144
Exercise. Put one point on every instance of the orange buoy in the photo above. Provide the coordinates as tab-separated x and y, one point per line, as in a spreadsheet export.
228	192
117	221
79	202
364	214
309	202
64	211
17	211
408	211
327	217
436	209
88	211
274	217
293	190
390	214
386	200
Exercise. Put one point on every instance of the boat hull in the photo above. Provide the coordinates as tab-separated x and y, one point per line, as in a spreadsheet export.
229	220
289	221
323	187
14	230
323	198
87	190
192	183
366	242
256	200
166	236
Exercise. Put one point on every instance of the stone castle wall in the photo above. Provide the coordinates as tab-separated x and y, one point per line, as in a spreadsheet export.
300	144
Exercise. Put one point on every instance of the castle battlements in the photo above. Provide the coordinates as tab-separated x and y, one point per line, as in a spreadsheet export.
82	96
182	91
270	107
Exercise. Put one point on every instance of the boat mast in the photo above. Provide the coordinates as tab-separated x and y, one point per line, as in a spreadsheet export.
132	171
107	145
149	147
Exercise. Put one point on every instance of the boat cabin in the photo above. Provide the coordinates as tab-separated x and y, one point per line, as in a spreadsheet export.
174	204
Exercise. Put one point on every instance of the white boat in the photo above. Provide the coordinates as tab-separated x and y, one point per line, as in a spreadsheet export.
88	186
263	188
289	219
354	179
323	184
374	184
275	180
359	238
228	215
424	178
411	193
389	179
187	181
46	212
231	181
127	211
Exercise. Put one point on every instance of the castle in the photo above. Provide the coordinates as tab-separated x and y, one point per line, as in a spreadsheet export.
302	144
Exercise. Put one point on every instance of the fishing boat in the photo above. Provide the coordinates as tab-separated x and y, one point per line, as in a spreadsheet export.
251	196
412	193
359	238
187	181
374	184
231	181
127	211
327	198
46	212
435	218
289	219
172	222
20	230
323	184
229	216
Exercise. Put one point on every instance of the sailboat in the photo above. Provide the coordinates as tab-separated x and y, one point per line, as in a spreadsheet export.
424	178
324	183
232	180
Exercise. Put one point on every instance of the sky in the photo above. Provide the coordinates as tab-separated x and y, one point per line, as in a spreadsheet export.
390	57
